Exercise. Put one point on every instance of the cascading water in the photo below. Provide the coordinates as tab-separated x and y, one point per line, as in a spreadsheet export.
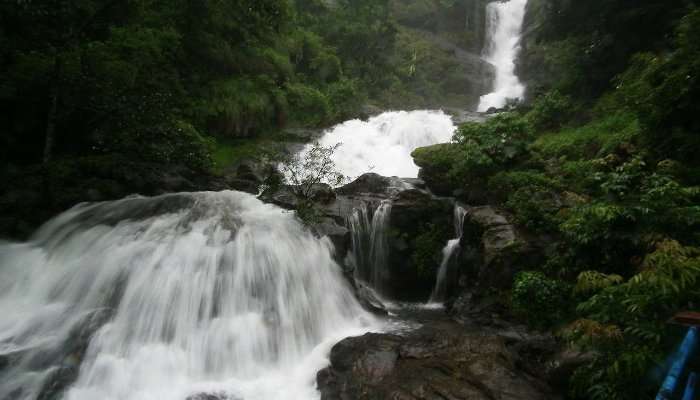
170	297
383	144
503	28
369	244
448	252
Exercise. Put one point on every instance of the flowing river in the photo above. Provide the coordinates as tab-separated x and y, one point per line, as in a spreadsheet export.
199	296
171	297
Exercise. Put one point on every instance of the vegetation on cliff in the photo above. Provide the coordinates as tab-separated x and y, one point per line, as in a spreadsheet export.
602	163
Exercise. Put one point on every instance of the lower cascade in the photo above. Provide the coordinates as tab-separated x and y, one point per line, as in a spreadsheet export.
182	296
369	244
448	252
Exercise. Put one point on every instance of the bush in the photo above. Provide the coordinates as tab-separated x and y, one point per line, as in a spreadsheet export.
633	315
550	111
490	146
507	182
597	138
539	299
170	142
307	105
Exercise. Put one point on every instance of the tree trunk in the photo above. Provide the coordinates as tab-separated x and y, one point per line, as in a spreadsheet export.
52	114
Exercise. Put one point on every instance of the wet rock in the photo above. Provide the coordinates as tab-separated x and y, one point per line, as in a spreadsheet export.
440	361
563	365
369	300
242	185
338	235
212	396
369	183
282	196
502	249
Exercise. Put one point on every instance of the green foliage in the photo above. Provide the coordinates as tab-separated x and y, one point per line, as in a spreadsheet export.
308	106
662	90
171	142
306	173
639	308
550	111
227	69
599	137
539	299
509	181
493	145
589	282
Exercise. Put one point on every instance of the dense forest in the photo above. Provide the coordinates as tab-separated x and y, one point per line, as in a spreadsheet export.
100	99
103	98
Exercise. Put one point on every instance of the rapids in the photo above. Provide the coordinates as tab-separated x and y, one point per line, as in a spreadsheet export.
171	297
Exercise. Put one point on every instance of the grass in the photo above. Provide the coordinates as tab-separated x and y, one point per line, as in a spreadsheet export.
601	136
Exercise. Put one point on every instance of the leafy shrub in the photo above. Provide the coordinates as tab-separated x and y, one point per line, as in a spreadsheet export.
170	142
509	181
540	299
531	195
535	208
639	309
308	106
597	138
550	111
662	90
489	146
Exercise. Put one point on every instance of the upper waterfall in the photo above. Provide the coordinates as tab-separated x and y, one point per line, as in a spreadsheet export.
503	30
170	297
383	144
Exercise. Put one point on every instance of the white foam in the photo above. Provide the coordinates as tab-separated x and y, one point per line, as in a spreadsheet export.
384	143
503	27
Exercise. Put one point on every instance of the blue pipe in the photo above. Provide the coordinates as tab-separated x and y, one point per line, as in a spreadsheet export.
690	388
688	347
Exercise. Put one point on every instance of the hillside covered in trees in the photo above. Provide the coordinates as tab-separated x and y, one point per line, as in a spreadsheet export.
596	169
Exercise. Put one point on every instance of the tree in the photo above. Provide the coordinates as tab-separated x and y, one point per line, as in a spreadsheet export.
306	172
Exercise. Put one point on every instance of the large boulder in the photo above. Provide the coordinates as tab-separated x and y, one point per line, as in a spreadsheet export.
499	249
436	163
438	361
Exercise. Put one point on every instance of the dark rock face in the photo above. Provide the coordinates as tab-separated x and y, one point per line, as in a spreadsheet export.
531	66
440	361
212	396
419	227
370	183
499	248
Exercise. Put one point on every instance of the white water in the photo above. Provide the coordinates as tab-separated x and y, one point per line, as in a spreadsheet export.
384	143
448	252
369	244
185	293
503	29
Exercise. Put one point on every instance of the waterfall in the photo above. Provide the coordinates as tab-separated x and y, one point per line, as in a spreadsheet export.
383	144
450	250
182	296
370	248
504	21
